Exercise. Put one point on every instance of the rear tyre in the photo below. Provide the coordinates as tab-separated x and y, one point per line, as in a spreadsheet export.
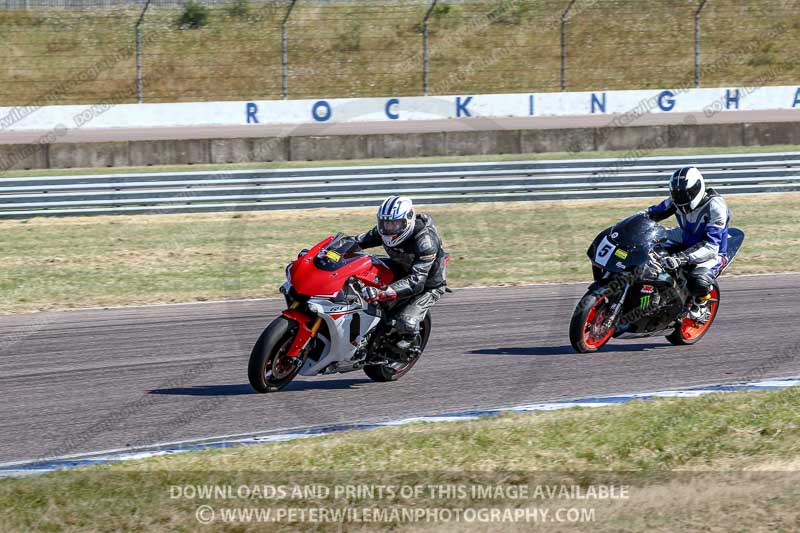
586	333
270	369
394	371
689	332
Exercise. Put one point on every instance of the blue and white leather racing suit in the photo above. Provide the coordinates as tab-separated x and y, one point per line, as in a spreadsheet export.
702	235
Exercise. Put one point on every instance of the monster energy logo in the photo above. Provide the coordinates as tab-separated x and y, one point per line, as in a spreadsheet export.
645	301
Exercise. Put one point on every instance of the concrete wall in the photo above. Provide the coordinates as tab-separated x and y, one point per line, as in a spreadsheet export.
343	147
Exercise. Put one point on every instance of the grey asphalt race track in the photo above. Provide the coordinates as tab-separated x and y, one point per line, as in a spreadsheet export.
98	379
399	126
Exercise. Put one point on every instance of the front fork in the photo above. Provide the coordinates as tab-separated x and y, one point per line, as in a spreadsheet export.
304	332
616	308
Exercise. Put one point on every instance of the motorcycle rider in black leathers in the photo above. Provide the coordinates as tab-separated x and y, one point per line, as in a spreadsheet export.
417	260
702	235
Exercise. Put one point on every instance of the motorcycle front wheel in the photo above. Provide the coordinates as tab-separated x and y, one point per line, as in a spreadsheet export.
270	369
586	332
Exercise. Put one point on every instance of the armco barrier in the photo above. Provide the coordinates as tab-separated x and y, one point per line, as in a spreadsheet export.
192	192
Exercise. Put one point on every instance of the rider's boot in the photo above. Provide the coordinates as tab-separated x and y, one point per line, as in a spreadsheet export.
699	311
410	344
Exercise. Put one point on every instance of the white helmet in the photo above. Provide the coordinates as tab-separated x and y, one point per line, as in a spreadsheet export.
687	188
396	220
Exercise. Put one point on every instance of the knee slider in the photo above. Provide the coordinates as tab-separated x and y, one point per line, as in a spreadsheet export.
407	325
700	282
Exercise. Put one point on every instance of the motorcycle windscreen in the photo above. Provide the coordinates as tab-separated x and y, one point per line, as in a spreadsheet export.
327	266
628	244
343	255
339	253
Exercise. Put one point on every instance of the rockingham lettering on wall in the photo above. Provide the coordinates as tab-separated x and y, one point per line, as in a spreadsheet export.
621	104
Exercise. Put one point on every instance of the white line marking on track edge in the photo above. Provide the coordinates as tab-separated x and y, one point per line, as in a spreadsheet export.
25	468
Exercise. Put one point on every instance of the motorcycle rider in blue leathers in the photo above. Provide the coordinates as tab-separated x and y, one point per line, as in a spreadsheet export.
701	235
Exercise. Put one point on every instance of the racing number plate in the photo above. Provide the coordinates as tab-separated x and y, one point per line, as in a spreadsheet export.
604	252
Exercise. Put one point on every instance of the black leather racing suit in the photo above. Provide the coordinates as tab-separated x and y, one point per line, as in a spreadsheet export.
418	264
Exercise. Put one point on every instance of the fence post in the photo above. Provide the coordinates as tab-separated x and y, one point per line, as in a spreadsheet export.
139	88
697	43
425	54
564	16
285	53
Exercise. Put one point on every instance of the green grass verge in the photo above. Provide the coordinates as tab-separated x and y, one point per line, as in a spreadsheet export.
77	262
410	161
706	462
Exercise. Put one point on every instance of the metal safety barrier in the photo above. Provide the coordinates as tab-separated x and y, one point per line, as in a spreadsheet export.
252	190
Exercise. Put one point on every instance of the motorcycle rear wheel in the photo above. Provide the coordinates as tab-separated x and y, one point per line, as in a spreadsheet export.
394	371
269	370
689	332
585	328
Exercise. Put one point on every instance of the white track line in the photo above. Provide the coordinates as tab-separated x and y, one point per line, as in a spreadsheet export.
28	467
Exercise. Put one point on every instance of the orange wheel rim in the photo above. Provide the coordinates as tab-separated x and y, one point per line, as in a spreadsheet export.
593	336
691	329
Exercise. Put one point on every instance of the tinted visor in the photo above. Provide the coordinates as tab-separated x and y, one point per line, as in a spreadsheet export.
392	227
683	196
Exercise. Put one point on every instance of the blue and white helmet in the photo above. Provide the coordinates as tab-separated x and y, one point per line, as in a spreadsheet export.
687	188
396	220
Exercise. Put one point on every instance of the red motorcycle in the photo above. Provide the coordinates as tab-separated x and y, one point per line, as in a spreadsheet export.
328	327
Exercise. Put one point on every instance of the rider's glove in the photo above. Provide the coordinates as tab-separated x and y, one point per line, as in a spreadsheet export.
674	262
371	294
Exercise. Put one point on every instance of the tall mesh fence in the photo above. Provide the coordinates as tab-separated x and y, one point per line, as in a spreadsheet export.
750	43
71	51
635	48
235	56
496	47
365	49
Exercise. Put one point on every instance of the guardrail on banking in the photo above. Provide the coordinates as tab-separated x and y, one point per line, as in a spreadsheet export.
252	190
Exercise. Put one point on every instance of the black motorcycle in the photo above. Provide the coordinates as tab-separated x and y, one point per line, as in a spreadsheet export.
633	296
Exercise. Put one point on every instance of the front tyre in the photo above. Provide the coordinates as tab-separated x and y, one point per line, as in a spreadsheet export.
270	369
689	331
394	371
586	331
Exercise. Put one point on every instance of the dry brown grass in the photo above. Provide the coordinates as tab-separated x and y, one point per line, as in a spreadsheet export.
715	502
374	49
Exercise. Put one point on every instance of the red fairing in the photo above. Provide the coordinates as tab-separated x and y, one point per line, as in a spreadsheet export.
376	275
309	280
303	330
